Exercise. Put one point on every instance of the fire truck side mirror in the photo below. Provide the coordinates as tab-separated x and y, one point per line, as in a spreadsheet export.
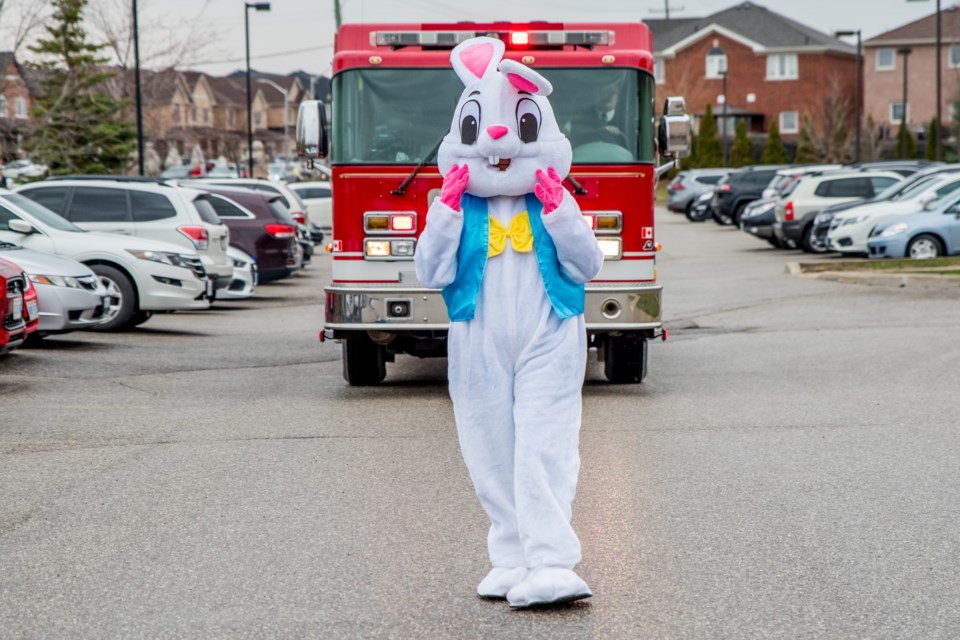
673	134
312	140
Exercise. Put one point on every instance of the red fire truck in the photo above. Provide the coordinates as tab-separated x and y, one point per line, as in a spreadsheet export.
393	96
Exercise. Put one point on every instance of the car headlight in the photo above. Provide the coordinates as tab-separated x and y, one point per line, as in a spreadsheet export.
764	208
893	230
822	218
853	220
173	259
56	281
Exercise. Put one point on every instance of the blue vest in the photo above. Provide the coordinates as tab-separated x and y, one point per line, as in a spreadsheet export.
566	296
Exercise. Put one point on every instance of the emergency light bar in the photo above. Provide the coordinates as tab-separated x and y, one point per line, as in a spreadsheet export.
520	38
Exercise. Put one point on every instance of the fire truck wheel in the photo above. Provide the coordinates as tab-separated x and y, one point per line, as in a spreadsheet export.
364	362
625	359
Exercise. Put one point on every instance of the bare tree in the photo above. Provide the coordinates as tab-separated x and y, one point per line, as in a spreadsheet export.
19	19
833	124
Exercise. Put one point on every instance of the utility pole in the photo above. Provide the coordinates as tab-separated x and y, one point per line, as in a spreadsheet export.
336	13
139	93
665	10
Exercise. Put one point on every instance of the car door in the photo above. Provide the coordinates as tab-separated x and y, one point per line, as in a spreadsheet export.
951	228
245	229
100	209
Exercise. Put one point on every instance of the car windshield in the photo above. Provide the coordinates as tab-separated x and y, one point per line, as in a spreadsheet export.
397	116
914	189
40	212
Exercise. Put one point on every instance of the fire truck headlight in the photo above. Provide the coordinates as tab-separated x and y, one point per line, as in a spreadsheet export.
611	248
376	222
402	248
377	248
403	223
608	222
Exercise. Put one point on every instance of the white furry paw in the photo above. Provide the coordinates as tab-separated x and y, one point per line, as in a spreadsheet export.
548	586
499	581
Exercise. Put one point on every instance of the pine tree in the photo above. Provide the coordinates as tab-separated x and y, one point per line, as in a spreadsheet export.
741	153
807	145
80	125
773	151
906	145
930	153
692	161
709	152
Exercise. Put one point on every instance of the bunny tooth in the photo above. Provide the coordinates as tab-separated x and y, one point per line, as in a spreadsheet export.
493	159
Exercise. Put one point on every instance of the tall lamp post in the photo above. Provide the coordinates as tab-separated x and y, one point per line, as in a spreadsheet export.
139	94
720	56
905	52
259	6
286	113
840	34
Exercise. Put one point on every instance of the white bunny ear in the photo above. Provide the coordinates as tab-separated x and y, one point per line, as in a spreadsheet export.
474	58
526	79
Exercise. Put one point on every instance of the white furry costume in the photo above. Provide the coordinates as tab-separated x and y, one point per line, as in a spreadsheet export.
516	368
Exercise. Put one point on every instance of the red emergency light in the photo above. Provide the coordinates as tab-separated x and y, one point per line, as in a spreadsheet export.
519	38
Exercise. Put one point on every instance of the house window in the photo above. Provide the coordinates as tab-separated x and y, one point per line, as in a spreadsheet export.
782	66
896	112
658	71
886	60
20	107
716	65
789	122
193	114
953	110
3	107
230	115
953	57
176	113
206	115
256	118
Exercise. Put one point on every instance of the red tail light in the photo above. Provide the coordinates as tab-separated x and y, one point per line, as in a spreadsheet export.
199	236
788	211
676	185
724	188
299	217
281	231
196	171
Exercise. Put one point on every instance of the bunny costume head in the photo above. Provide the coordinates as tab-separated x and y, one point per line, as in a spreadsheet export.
503	128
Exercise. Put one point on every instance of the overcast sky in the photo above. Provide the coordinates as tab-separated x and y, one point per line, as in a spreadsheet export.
298	34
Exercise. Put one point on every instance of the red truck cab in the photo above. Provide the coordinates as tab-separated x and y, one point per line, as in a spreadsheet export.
13	330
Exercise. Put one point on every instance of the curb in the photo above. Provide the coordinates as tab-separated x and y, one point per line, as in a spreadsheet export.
891	280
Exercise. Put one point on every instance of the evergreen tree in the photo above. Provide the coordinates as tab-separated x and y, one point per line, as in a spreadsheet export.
906	145
807	145
741	153
709	152
692	161
930	153
773	151
80	125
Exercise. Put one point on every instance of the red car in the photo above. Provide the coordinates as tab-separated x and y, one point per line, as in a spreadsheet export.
13	331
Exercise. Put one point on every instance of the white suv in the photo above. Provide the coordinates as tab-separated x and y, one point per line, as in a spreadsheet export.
144	209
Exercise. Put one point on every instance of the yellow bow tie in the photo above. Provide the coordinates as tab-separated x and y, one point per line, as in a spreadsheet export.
519	233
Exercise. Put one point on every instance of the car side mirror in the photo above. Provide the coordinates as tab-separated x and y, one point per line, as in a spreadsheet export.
928	199
21	226
312	140
674	133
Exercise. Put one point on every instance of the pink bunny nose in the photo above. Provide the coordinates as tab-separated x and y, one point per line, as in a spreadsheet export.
497	131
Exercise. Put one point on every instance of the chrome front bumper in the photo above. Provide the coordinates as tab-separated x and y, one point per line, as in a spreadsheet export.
402	308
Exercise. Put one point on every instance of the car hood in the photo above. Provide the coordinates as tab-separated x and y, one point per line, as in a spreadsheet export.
846	206
872	209
39	262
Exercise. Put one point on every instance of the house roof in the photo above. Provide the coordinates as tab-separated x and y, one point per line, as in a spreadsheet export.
923	30
228	91
750	23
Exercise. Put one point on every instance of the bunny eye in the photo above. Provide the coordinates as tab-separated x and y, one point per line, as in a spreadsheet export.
528	120
469	122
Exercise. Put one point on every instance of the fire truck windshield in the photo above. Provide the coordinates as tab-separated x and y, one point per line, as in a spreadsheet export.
397	115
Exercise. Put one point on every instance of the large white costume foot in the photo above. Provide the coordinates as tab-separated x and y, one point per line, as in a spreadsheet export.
547	586
499	581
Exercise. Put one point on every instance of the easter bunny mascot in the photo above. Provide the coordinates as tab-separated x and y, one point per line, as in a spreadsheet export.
510	250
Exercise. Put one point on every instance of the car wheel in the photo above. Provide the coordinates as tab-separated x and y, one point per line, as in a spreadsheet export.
810	243
924	247
737	213
721	218
364	361
139	317
123	298
625	359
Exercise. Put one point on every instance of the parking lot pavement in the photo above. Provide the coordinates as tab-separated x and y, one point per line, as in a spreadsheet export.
788	469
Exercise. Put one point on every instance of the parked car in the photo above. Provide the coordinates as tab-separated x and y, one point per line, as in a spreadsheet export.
261	228
905	168
283	171
738	189
799	202
850	229
290	199
245	276
317	197
141	276
757	219
785	176
17	170
69	294
183	171
700	210
931	233
229	170
13	329
144	209
686	187
31	308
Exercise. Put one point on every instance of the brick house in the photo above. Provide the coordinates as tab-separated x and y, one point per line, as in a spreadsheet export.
15	105
777	70
883	73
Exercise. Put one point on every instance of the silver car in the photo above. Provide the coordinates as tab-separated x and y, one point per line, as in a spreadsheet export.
69	294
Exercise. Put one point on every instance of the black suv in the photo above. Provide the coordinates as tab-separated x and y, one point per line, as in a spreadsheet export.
738	189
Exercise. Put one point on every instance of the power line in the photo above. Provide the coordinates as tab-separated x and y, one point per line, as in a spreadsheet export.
277	54
666	9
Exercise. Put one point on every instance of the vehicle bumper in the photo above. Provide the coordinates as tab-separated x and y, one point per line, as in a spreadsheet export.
892	247
402	308
792	230
189	292
63	309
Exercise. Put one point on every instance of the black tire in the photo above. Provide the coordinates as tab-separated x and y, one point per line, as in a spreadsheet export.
139	317
924	247
625	359
364	361
809	242
737	213
721	219
123	297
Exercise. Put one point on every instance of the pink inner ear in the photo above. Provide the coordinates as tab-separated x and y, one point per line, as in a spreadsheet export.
477	57
522	83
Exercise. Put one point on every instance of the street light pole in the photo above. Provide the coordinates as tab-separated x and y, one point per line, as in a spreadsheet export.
286	113
139	94
905	52
856	151
259	6
721	57
726	154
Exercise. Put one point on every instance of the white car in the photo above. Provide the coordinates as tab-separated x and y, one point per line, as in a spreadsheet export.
244	276
144	209
290	200
318	198
69	294
849	230
141	276
19	169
